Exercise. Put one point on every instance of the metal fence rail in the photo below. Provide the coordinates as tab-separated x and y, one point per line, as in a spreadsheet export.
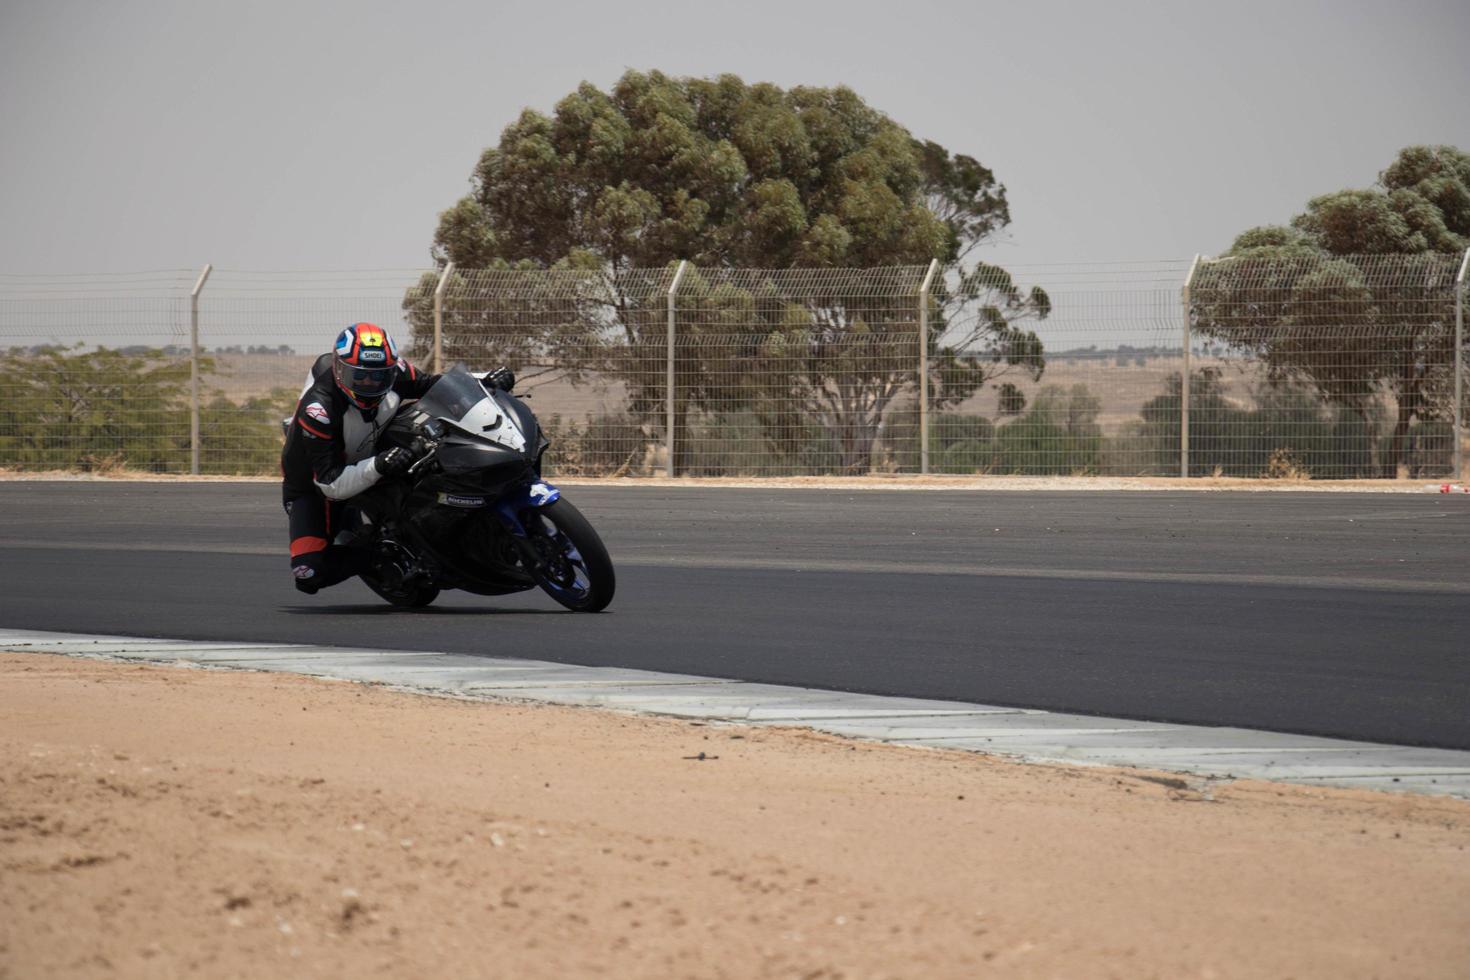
1288	367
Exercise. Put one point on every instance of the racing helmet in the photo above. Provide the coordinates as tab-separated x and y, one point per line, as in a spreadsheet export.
365	363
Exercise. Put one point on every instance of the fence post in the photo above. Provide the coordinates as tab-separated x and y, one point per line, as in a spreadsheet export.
669	380
194	367
924	366
1460	367
1184	378
439	318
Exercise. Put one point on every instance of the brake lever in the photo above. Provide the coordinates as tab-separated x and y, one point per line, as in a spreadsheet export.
423	460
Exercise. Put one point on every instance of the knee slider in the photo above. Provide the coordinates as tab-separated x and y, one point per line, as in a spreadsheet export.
307	570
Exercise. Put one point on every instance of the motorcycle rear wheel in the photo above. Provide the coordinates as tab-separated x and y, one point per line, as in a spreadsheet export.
575	569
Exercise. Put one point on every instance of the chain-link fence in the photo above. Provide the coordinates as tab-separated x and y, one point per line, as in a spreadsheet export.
1289	366
1081	402
588	348
1346	366
795	371
94	371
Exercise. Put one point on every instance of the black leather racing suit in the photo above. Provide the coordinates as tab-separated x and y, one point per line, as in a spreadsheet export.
328	457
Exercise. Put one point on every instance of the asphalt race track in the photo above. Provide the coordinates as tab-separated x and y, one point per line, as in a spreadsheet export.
1323	613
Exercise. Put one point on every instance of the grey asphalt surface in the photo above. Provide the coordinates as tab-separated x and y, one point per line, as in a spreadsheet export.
1344	615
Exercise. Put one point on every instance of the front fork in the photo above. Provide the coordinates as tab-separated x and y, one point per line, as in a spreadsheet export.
510	508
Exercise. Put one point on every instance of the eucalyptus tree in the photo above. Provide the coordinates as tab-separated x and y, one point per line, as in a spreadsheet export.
1355	297
730	175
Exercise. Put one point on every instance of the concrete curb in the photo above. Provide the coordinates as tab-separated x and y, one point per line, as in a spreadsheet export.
1027	734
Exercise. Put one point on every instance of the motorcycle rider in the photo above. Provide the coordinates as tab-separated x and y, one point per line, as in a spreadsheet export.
330	453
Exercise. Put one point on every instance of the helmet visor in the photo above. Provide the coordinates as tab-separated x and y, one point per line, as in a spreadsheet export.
368	383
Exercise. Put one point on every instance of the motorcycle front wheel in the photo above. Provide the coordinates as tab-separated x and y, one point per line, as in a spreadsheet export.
574	567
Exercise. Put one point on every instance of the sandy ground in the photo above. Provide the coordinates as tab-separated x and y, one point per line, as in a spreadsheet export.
167	822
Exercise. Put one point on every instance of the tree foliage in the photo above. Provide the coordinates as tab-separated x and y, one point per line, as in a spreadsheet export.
711	170
733	175
1280	420
1355	297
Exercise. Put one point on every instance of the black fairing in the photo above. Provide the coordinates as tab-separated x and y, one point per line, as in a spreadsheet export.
448	514
464	459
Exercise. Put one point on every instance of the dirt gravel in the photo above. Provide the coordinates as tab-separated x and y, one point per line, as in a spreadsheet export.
163	822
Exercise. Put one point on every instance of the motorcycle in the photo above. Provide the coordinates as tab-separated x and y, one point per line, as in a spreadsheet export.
473	512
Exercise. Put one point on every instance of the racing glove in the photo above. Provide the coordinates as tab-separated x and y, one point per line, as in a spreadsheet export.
394	462
502	378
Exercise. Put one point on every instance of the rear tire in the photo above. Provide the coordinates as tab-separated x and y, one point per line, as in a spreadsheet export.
576	570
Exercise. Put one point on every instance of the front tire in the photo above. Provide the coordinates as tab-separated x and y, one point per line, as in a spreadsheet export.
574	567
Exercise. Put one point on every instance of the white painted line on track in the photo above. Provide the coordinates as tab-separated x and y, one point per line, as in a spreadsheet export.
1025	733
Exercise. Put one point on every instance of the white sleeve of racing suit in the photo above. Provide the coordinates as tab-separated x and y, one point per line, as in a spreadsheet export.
352	481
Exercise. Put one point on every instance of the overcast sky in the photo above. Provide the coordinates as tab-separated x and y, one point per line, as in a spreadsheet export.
305	135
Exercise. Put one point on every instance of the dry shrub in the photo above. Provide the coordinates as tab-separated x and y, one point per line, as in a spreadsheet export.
1284	465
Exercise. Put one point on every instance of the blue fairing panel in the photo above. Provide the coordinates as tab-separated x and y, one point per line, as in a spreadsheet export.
521	498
